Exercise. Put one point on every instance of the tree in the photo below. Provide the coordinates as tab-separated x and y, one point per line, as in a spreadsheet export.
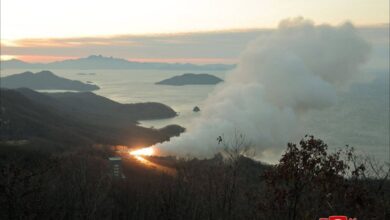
308	182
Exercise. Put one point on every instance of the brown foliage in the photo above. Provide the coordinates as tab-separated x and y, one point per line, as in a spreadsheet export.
309	183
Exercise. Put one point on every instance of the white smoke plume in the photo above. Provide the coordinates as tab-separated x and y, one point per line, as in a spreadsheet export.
279	77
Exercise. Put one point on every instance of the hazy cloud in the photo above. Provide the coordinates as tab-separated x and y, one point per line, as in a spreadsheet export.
218	46
221	46
279	77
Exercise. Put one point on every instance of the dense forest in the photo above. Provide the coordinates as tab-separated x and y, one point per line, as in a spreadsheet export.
307	183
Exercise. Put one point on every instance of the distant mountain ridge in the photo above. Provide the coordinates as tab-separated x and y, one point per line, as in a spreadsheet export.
44	80
102	62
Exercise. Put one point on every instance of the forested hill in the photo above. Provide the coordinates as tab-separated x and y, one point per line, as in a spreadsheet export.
87	105
44	80
79	118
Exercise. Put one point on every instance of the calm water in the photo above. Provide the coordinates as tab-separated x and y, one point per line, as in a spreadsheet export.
133	86
360	119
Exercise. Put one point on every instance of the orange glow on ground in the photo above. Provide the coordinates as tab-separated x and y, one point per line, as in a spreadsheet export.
147	151
141	155
155	166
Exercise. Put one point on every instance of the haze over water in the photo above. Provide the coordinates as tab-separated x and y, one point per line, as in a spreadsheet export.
360	118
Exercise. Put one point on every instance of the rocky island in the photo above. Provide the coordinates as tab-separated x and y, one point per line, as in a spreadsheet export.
44	80
191	79
196	109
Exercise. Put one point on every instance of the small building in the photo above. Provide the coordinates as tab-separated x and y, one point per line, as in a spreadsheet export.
116	167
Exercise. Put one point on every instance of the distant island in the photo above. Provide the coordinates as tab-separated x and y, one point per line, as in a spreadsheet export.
86	74
103	62
191	79
44	80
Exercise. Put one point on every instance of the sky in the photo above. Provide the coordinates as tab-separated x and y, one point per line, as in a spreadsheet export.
48	30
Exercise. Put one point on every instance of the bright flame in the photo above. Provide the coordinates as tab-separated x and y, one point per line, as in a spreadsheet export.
147	151
150	151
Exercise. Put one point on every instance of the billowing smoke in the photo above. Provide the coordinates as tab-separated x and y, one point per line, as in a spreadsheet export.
296	68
